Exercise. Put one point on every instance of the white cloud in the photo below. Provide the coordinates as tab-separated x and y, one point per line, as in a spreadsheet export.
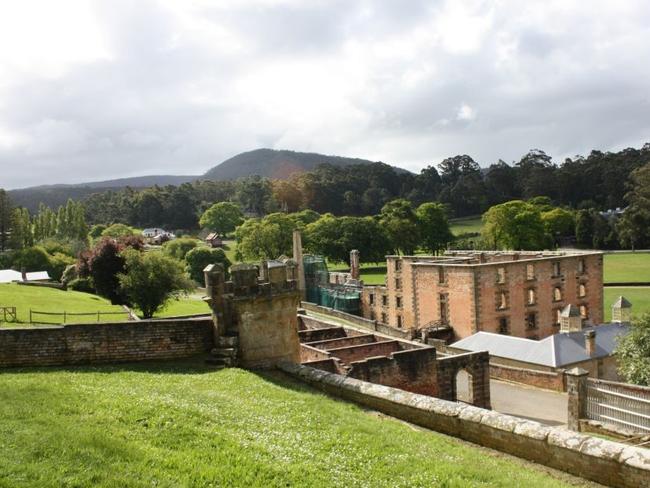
112	89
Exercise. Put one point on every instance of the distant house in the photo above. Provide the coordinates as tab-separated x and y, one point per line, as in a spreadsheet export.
153	232
613	213
213	240
10	276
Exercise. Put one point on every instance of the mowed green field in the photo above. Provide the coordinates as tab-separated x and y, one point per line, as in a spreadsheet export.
639	296
466	225
627	268
184	424
41	299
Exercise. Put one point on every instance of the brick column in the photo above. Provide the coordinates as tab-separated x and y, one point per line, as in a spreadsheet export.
576	384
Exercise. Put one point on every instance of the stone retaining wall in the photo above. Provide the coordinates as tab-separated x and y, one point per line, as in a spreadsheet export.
106	342
539	379
607	462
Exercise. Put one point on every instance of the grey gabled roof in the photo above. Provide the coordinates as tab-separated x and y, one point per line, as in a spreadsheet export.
622	302
555	351
570	311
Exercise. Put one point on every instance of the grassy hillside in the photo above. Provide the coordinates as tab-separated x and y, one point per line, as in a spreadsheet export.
627	268
51	300
182	424
466	225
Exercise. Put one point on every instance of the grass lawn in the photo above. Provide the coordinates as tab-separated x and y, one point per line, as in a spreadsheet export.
190	305
639	296
371	273
466	225
183	424
229	247
627	268
52	300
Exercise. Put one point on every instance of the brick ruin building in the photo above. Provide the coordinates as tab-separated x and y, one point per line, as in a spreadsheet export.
385	360
516	293
257	325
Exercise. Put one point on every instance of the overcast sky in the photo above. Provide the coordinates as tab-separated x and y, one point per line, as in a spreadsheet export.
108	89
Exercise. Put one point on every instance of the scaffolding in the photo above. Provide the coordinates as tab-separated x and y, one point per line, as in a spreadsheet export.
346	298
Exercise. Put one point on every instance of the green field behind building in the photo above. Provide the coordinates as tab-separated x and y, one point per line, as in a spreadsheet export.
466	225
627	267
184	424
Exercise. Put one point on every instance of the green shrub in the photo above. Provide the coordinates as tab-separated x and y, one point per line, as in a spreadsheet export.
82	284
178	248
198	258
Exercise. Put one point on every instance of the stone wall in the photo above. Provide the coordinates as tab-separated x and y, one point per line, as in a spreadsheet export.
540	379
106	342
476	365
412	370
603	461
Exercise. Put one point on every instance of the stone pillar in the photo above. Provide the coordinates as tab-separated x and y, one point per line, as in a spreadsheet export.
354	264
215	281
576	383
590	342
297	257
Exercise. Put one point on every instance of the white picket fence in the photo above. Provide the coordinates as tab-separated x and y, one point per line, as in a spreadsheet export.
618	404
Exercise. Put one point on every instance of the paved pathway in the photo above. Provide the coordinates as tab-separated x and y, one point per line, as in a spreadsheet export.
547	407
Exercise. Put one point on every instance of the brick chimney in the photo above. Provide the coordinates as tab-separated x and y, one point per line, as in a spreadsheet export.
590	342
354	264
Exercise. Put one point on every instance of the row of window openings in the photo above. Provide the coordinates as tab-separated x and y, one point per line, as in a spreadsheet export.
531	320
530	271
384	300
384	319
531	296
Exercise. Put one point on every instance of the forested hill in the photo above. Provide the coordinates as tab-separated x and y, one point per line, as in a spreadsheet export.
269	163
275	164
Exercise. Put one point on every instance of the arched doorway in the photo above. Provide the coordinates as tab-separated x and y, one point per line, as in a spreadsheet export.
464	391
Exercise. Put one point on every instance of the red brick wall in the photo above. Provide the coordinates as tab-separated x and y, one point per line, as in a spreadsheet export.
102	343
355	353
413	370
540	379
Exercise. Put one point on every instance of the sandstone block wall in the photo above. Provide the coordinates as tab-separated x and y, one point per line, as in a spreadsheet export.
603	461
107	342
540	379
268	329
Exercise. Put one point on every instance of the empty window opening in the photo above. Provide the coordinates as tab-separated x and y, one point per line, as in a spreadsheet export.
582	290
503	328
530	271
502	301
532	296
557	294
556	268
531	320
501	275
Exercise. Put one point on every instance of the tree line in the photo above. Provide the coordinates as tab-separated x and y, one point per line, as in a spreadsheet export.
597	181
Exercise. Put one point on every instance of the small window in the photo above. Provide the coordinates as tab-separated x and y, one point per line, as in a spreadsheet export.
398	265
581	266
558	317
383	318
399	321
399	302
556	269
503	326
501	275
372	315
532	296
582	290
584	313
371	298
398	283
531	321
530	272
444	311
441	275
557	294
384	300
503	301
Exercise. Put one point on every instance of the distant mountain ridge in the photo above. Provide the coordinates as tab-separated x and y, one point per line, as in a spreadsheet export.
274	163
270	163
